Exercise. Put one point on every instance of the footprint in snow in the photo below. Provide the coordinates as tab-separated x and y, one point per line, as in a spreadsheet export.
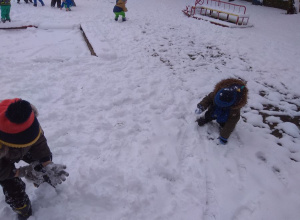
261	156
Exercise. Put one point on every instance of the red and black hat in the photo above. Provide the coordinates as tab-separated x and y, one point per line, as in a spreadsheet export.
18	125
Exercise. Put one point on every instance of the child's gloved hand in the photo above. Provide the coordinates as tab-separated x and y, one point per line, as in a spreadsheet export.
30	174
56	173
222	140
199	109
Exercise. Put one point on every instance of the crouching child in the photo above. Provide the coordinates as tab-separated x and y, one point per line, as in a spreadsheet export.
224	104
22	138
120	9
67	4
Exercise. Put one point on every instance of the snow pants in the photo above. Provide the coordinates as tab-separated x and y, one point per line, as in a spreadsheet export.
58	2
14	192
5	10
122	13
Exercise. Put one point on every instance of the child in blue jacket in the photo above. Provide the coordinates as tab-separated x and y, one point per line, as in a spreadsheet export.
67	4
224	105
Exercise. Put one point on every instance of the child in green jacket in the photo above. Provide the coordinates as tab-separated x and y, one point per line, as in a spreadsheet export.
5	10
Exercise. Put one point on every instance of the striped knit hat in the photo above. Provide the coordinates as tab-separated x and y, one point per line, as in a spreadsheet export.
18	125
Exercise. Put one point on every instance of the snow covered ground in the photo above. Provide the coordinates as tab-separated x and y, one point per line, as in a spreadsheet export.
124	124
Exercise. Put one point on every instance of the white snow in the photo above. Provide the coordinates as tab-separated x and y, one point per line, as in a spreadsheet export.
290	129
124	122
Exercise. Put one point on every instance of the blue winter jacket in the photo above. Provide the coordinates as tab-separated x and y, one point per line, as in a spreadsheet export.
68	3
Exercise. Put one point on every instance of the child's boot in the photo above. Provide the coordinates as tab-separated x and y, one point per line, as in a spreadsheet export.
3	20
116	19
34	5
124	19
24	212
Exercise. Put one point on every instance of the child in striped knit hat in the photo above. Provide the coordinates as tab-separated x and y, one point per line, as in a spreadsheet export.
22	138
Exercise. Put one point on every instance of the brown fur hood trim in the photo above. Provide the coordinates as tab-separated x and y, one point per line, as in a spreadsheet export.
230	82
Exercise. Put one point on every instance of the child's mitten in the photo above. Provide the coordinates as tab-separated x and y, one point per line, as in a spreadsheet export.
56	173
199	109
223	141
31	174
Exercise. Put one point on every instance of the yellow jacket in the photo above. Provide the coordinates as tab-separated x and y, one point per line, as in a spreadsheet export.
121	4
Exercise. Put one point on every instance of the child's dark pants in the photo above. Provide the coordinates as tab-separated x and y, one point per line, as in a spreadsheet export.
14	191
53	2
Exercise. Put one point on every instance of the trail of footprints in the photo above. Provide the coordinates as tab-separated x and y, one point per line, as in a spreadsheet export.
274	168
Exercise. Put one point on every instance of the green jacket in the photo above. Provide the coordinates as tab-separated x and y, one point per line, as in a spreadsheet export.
235	110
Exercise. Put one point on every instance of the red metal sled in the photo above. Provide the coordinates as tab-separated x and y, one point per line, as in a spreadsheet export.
218	12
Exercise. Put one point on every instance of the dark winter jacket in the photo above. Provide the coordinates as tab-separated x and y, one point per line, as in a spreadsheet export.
120	6
39	151
9	155
4	2
234	113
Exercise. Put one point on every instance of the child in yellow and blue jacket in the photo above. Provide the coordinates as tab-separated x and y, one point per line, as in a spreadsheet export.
120	9
5	10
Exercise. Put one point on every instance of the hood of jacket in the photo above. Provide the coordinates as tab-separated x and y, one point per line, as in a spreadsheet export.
225	83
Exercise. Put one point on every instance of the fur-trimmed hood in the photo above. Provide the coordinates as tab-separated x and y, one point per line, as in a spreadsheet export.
225	83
